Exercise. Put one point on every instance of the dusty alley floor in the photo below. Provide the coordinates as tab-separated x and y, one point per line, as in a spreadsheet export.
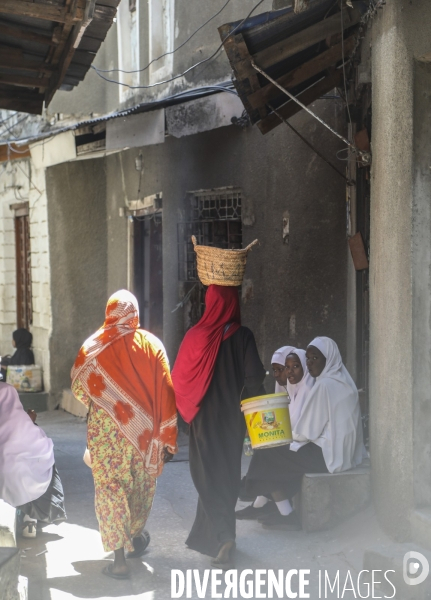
72	555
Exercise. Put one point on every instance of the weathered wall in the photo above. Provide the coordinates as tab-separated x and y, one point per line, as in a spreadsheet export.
399	267
97	96
78	249
19	182
304	281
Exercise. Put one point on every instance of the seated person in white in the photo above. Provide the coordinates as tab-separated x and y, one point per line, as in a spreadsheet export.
29	480
327	436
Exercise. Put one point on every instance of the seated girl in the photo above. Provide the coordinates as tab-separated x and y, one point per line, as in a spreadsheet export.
29	480
298	383
327	436
21	340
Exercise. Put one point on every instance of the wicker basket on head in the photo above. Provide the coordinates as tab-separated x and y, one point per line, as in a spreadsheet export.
221	267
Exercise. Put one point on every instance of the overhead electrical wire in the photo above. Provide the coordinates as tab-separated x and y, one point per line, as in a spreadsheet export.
166	53
201	62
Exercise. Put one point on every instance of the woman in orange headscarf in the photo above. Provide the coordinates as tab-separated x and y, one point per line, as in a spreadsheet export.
122	375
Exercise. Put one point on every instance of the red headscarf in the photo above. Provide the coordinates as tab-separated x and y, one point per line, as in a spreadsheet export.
194	367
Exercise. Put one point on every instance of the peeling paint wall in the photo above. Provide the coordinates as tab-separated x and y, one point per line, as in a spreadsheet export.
19	182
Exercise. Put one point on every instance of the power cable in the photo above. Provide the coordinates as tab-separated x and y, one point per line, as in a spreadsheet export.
201	62
166	53
344	64
309	144
9	129
366	157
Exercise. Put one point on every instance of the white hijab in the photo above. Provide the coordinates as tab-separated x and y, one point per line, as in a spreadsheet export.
298	392
279	358
26	453
331	416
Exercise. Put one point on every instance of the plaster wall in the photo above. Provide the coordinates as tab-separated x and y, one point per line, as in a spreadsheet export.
19	182
400	263
76	194
292	291
155	34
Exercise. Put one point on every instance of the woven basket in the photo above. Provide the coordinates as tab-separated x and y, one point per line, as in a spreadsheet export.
221	267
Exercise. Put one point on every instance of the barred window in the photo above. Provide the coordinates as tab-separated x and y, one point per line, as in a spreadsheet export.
215	220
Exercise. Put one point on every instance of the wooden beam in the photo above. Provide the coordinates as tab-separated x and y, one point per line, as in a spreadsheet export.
305	38
25	65
26	105
35	10
23	81
240	60
69	50
7	152
307	97
302	73
25	33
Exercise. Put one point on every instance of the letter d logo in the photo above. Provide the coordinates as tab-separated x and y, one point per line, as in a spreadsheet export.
412	563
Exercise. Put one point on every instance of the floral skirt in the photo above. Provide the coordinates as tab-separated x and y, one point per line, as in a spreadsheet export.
124	492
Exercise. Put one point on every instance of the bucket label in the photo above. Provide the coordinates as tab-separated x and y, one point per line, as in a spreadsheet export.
268	427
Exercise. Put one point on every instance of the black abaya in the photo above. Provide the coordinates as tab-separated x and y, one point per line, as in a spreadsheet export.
216	440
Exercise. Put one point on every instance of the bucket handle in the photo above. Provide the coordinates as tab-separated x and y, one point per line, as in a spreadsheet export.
247	249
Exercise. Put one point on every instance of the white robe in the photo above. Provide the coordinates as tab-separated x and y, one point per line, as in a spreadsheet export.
331	416
26	453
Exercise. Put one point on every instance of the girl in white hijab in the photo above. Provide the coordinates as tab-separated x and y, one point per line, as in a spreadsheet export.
298	385
298	392
328	432
28	478
331	416
278	364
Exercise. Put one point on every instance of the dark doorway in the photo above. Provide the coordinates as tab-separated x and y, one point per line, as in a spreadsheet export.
148	271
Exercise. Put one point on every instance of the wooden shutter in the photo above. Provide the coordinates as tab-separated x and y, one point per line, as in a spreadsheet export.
24	307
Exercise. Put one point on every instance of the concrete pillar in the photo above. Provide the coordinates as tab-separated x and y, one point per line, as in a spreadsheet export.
399	268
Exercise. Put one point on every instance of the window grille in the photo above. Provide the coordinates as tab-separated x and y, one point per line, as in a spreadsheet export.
215	220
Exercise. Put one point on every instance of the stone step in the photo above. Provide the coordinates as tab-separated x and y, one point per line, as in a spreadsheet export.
9	573
327	499
7	525
38	401
396	558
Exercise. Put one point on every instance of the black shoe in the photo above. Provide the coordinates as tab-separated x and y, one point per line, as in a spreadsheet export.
253	514
140	544
278	521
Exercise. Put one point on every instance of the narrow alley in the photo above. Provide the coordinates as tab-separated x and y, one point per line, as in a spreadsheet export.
65	562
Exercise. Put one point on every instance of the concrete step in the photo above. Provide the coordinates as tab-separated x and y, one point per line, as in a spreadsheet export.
7	525
71	405
38	401
327	499
397	558
9	573
421	526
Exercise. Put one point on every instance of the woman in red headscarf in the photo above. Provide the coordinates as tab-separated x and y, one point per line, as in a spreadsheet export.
217	366
122	375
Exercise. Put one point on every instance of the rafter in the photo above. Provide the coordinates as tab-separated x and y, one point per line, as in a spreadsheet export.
25	33
36	10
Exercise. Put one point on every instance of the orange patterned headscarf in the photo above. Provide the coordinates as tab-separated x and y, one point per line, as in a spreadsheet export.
125	371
